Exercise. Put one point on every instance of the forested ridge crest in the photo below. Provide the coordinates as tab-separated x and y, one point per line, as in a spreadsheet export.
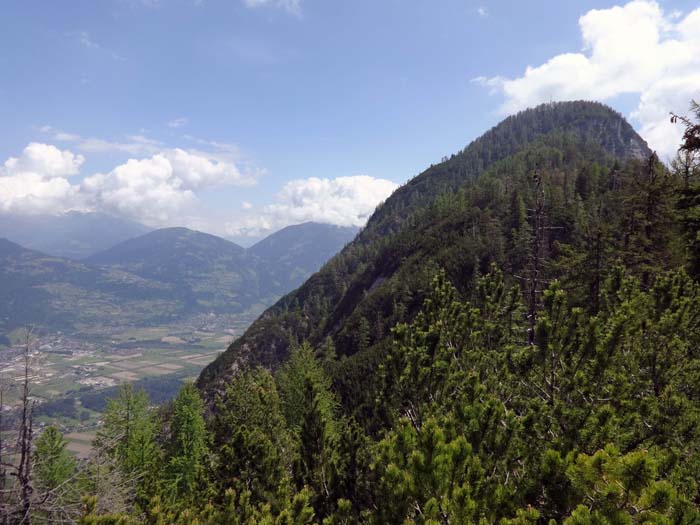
521	349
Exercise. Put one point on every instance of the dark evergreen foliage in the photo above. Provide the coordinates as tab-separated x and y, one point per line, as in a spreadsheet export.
517	344
459	215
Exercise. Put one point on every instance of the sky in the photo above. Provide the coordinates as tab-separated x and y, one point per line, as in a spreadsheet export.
239	117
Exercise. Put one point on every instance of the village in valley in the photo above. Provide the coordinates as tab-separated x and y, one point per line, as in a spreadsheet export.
71	376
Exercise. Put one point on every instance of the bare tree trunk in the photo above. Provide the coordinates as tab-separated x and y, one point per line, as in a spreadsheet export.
24	443
3	470
536	258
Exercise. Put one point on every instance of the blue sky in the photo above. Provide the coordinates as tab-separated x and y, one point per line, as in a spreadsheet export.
289	101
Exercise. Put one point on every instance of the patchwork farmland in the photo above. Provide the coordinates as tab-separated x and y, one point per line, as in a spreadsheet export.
72	376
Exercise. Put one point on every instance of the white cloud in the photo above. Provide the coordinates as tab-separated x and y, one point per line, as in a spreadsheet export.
45	159
293	6
37	181
344	201
156	190
96	145
163	189
177	122
66	137
635	49
133	145
482	11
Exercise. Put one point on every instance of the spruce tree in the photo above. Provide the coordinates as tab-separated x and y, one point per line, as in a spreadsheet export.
188	444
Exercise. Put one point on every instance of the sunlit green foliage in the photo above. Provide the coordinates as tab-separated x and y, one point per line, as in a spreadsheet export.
515	339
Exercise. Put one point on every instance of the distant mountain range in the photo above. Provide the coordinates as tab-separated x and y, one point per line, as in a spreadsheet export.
158	277
289	253
74	235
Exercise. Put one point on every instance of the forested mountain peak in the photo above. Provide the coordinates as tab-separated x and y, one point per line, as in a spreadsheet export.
208	271
582	123
590	120
300	236
451	215
184	272
520	350
163	243
512	339
288	254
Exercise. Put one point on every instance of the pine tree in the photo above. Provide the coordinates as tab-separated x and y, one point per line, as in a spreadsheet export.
292	378
188	444
688	168
254	446
54	466
426	478
127	437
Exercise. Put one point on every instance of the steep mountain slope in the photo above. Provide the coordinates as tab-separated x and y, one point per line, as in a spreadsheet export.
458	215
57	293
521	350
293	253
74	235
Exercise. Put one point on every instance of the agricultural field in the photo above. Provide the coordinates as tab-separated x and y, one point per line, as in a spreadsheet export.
72	376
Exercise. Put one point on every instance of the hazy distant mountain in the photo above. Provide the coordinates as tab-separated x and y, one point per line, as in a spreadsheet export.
75	235
293	253
52	292
216	273
168	253
159	277
209	273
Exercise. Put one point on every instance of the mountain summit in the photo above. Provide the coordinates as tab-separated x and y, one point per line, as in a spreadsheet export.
456	215
293	253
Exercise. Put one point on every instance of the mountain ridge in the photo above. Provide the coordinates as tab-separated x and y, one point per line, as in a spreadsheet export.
371	273
74	235
296	248
173	272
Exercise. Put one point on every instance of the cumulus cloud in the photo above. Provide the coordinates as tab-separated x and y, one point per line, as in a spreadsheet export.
38	181
163	189
45	159
156	190
634	49
344	201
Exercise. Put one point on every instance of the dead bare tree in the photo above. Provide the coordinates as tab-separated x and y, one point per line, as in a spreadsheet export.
23	499
16	463
535	279
25	439
3	469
